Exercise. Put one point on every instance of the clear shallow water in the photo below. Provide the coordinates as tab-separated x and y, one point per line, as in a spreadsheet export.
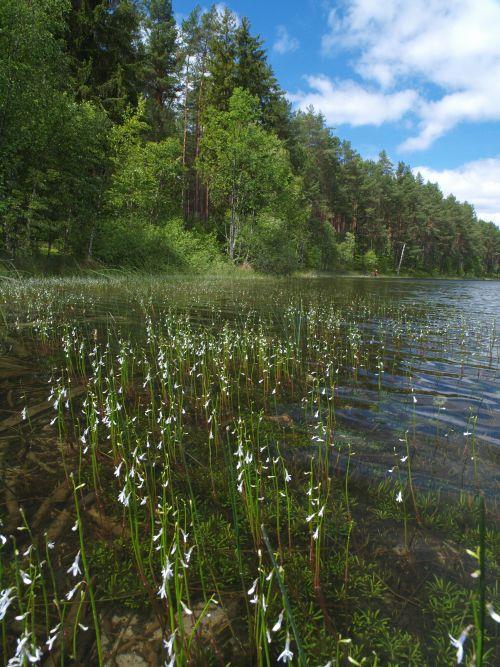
417	359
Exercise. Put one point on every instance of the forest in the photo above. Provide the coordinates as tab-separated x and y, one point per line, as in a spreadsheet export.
128	140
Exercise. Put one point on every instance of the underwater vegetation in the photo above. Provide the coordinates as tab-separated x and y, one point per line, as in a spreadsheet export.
205	472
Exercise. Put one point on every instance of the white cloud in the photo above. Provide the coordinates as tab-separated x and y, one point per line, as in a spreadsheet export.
347	102
477	182
285	43
448	49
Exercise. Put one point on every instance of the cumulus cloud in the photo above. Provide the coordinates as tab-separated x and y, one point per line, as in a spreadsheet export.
448	49
348	102
477	182
285	43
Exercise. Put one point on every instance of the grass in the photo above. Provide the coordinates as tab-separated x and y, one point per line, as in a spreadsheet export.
192	461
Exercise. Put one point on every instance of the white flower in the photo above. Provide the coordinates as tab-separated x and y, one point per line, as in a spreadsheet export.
277	625
251	590
166	573
399	497
5	601
493	613
71	592
26	579
75	566
186	609
170	644
286	655
316	533
25	649
459	643
123	497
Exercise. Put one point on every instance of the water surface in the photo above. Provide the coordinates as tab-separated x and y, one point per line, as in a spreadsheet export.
417	360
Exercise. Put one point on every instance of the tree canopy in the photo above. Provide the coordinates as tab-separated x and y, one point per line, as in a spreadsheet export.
126	137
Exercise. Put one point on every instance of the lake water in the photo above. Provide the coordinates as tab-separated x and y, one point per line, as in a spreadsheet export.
417	361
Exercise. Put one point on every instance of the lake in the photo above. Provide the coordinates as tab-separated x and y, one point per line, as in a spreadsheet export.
416	356
227	469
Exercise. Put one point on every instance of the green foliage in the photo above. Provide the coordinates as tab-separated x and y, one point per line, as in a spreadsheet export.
246	168
108	115
370	260
269	245
170	247
347	248
106	53
147	176
160	67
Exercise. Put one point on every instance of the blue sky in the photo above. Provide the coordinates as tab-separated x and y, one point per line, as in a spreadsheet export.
419	78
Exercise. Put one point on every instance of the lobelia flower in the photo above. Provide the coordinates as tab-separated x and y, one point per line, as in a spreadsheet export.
25	649
166	573
124	497
459	643
493	613
251	590
277	625
6	598
75	566
186	609
286	655
399	497
170	644
26	579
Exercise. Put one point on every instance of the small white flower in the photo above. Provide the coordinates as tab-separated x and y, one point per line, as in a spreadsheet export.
75	566
316	533
186	609
251	590
286	655
124	497
6	598
26	579
70	594
459	643
170	644
277	625
399	497
493	613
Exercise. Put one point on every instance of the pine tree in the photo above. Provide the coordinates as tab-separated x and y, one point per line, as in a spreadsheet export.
106	52
161	74
253	73
222	61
